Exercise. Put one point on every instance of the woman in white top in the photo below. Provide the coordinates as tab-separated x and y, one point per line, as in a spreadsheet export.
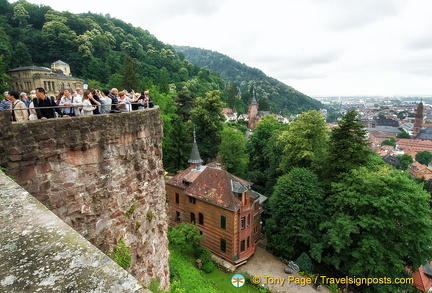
87	108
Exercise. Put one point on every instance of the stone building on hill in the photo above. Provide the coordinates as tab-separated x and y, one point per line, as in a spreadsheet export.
223	206
53	80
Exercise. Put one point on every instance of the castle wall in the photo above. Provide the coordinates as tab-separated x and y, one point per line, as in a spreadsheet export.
41	253
102	175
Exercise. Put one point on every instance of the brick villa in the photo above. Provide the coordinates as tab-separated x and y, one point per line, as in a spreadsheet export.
223	206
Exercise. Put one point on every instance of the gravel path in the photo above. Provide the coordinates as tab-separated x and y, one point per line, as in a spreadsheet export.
263	264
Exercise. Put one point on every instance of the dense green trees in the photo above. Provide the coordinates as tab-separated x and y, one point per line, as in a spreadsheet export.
348	147
185	236
404	161
305	143
296	212
263	152
375	219
424	157
358	217
96	47
232	151
276	96
208	118
403	134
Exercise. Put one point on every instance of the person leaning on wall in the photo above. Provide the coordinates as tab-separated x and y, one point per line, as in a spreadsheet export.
19	111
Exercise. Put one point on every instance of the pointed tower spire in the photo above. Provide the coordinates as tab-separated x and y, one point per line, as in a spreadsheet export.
254	101
252	112
195	158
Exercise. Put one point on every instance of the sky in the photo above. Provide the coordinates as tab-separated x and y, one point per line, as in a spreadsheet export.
319	47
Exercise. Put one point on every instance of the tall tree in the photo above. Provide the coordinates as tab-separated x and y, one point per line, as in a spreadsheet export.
232	95
208	118
378	225
176	144
163	80
185	102
21	56
233	151
59	39
424	157
129	74
296	211
20	15
259	156
404	161
305	143
5	79
176	147
348	147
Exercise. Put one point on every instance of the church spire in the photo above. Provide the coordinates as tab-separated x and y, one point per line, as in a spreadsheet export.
253	112
254	101
195	158
418	120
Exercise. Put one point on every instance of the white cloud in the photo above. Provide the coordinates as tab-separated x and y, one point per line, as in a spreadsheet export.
320	47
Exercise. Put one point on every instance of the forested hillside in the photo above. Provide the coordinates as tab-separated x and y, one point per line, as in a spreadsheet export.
271	93
107	52
98	48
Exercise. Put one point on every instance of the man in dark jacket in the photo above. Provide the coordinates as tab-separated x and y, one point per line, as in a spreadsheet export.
43	101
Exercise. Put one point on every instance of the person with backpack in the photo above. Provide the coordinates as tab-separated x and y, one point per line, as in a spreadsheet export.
44	106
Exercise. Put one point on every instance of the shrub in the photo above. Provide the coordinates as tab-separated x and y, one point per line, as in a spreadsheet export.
305	263
173	273
208	267
198	251
205	256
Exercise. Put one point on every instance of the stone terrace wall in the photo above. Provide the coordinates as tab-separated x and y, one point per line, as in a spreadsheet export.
102	175
41	253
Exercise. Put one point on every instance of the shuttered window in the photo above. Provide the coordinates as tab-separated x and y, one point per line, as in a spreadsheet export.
223	222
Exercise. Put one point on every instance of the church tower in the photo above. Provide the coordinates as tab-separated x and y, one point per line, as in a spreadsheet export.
253	112
418	120
195	160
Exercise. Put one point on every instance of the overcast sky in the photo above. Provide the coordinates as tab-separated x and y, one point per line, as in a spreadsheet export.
319	47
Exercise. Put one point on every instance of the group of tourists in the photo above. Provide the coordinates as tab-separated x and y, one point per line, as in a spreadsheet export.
71	103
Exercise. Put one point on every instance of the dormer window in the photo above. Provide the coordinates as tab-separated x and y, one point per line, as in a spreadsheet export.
186	182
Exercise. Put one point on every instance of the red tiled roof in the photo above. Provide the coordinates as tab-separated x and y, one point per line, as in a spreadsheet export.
418	165
421	280
188	175
214	186
227	111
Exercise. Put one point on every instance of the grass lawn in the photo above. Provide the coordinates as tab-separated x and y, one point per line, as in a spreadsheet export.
191	280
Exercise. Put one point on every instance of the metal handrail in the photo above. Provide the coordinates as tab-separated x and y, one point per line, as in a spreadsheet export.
76	106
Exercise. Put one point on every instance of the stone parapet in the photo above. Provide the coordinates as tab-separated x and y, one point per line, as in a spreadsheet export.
41	253
102	175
